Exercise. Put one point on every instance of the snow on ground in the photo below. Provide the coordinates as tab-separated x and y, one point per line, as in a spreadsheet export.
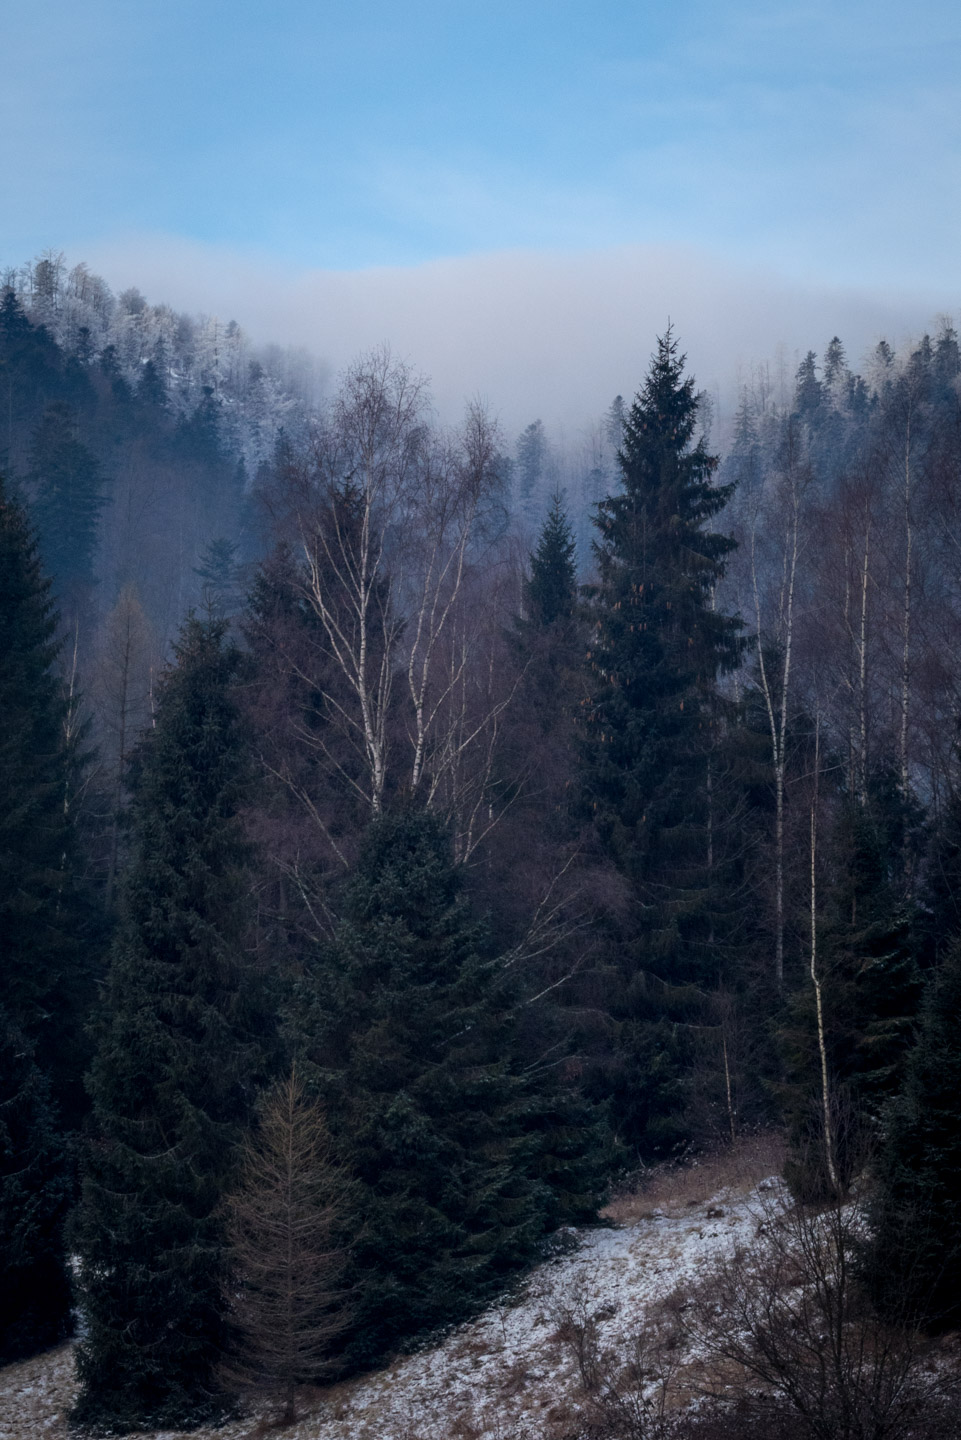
507	1372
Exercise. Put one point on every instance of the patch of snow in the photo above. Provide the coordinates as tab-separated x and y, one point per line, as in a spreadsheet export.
508	1366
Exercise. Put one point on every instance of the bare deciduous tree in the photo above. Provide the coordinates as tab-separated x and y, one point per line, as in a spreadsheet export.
392	517
286	1226
779	629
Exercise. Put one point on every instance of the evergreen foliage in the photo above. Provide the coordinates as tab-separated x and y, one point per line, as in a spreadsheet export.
551	590
35	1190
180	1047
408	1025
68	487
218	569
657	648
870	991
531	459
914	1257
47	922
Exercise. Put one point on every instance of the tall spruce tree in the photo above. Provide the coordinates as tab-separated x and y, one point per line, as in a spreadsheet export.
652	722
407	1026
548	640
180	1049
47	922
914	1255
47	939
35	1190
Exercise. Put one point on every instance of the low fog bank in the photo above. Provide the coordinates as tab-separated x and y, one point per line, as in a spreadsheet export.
535	334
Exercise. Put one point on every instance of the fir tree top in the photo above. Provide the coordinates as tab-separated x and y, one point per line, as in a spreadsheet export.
552	587
667	492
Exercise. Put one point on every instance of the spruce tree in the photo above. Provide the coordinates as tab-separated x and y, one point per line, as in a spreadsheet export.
652	724
180	1049
69	498
35	1190
47	937
548	641
551	589
914	1256
408	1026
47	923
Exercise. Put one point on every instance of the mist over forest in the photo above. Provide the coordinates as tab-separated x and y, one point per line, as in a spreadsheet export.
469	815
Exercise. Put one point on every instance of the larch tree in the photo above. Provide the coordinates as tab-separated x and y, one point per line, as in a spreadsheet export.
121	688
181	1040
289	1228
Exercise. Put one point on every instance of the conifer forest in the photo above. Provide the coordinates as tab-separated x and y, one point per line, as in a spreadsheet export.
412	834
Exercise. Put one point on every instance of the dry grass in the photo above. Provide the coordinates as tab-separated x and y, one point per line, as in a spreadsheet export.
674	1187
491	1381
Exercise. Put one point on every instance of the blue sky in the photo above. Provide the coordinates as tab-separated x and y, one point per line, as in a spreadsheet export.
819	143
821	139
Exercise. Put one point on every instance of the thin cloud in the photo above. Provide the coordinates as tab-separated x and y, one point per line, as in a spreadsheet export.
534	333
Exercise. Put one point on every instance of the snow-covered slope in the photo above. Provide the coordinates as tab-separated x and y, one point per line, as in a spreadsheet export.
509	1371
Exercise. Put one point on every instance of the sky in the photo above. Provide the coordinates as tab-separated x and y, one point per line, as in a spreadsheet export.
388	171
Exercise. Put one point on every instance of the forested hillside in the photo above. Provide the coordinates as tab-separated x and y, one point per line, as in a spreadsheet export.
472	818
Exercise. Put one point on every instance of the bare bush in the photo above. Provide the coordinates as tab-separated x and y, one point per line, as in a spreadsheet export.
624	1393
786	1327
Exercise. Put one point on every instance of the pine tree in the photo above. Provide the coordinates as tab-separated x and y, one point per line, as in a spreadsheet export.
180	1048
408	1028
652	719
531	459
914	1256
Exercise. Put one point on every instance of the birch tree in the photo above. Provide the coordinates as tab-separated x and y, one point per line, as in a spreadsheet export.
774	627
393	520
